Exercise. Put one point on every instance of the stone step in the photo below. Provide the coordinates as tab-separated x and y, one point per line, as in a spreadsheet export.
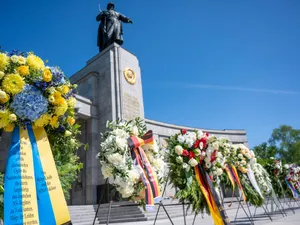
123	220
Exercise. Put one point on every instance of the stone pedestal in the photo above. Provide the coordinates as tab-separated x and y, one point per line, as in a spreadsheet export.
108	81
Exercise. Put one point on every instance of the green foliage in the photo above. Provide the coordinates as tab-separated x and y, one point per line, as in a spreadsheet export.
251	194
189	190
64	149
264	152
287	139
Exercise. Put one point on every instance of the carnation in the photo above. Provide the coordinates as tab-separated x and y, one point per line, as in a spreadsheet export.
133	175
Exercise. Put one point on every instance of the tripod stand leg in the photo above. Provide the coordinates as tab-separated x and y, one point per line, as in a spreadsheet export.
100	200
109	211
183	209
194	219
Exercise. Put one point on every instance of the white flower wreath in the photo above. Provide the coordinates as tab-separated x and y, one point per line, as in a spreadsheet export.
117	163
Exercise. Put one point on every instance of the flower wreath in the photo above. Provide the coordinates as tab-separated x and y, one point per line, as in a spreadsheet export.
127	168
188	150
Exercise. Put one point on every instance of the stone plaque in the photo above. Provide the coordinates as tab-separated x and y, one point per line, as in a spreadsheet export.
131	107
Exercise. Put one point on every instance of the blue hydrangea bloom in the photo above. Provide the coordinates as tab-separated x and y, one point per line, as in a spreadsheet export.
30	104
58	77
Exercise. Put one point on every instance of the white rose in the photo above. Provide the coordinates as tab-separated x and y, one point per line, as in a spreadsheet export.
193	162
219	155
133	175
219	171
186	167
14	58
197	152
115	159
127	192
215	173
135	130
21	60
215	145
240	156
179	159
207	165
180	138
212	139
121	142
178	150
219	160
106	171
200	134
203	153
243	162
1	75
190	142
286	166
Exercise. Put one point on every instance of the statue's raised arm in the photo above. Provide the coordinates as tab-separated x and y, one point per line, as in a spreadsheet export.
110	29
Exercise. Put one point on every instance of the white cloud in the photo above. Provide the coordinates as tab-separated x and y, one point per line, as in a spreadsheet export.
237	88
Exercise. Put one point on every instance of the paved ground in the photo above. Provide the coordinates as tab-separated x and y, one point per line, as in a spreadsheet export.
283	217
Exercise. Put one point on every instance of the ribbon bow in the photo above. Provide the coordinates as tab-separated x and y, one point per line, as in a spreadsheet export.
148	175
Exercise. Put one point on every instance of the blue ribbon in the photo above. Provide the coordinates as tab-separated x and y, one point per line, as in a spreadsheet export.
13	209
46	215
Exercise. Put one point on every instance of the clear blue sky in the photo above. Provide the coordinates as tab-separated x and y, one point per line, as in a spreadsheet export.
209	64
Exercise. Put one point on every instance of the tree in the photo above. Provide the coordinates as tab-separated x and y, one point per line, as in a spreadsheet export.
264	152
287	140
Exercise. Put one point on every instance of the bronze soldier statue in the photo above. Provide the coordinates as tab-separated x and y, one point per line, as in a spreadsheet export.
110	28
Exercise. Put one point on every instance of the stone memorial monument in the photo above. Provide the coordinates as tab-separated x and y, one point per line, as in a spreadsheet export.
110	88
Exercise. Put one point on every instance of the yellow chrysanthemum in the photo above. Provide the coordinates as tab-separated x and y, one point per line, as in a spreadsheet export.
43	120
13	84
9	128
35	62
54	122
47	75
61	109
4	118
23	70
21	60
4	61
71	121
71	102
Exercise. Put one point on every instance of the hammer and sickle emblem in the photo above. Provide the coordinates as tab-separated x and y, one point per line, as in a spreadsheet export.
129	75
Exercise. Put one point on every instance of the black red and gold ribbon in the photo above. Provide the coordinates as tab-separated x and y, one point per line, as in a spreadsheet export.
217	211
234	172
149	178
